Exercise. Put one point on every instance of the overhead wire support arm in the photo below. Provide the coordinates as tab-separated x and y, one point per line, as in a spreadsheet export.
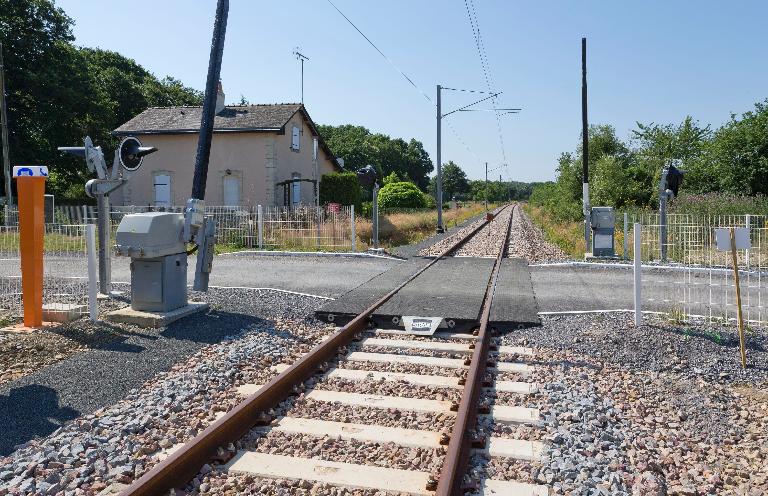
466	91
474	103
506	111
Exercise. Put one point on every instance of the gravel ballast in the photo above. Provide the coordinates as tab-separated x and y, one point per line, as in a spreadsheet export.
660	409
490	239
527	241
443	243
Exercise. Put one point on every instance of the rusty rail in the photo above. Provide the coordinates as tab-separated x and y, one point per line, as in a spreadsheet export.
184	464
451	481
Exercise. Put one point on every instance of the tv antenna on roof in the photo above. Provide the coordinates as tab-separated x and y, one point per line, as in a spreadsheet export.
301	57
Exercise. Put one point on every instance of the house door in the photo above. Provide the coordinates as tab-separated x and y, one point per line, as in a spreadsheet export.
162	190
231	191
296	190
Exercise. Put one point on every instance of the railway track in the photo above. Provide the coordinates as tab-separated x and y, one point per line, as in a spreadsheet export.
414	415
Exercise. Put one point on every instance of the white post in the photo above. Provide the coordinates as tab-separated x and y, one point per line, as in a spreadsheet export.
626	235
90	241
638	271
353	235
749	230
260	226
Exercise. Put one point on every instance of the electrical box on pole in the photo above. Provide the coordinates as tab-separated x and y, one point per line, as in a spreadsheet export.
602	223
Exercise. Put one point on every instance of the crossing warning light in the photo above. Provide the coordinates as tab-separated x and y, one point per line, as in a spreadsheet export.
674	180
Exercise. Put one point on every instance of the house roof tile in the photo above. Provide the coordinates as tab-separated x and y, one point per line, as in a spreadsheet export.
173	120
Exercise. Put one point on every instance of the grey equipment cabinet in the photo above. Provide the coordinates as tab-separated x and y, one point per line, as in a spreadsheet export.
603	223
158	260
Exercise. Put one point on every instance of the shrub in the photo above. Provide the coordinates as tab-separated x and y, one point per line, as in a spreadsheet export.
429	200
367	209
401	195
340	187
392	178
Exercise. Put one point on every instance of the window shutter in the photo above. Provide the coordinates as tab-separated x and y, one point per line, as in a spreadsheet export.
295	138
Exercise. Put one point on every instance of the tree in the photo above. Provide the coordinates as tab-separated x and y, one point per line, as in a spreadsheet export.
59	93
657	144
454	180
359	147
737	156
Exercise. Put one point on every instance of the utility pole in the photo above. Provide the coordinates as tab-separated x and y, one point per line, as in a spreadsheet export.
440	116
302	58
486	186
585	143
4	131
439	199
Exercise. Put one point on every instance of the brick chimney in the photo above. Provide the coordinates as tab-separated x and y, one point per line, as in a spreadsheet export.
219	98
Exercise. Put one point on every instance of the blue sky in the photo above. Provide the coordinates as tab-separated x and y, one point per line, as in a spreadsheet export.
650	61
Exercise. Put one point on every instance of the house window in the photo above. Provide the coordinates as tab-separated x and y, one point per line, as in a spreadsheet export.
162	190
231	191
296	189
295	138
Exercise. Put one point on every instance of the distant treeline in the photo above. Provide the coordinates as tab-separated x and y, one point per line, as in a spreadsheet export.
726	169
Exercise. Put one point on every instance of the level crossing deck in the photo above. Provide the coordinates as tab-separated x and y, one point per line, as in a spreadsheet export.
453	289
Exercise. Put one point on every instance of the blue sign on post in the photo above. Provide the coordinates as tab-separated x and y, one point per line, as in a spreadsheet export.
30	171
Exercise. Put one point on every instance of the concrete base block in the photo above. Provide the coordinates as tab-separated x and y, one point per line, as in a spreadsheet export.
63	312
128	315
588	257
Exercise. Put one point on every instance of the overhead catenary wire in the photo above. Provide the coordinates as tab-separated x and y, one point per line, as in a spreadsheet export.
380	52
410	81
483	55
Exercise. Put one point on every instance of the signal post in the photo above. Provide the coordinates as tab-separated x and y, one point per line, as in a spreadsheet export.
30	184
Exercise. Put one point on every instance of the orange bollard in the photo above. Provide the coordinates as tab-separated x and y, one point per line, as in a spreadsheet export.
30	183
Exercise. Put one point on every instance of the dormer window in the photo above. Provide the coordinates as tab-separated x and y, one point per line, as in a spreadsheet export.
295	138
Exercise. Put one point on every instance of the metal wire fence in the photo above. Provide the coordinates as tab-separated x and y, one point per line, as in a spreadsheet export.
65	268
330	228
695	281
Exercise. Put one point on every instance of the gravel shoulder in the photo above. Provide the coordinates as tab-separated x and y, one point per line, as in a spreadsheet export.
660	409
24	353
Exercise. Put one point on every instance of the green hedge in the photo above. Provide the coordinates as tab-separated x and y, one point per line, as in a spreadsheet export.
401	195
340	187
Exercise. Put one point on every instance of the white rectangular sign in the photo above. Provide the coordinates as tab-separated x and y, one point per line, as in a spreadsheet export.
740	234
423	326
30	170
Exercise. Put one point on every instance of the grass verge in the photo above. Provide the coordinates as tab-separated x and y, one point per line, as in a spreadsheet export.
567	235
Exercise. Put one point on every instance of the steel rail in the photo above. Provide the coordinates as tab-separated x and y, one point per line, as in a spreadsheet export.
185	463
451	480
